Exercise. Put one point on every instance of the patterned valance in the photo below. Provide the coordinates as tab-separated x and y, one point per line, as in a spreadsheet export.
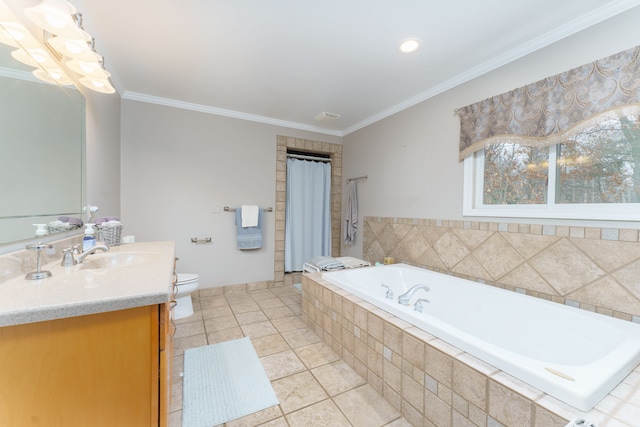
560	105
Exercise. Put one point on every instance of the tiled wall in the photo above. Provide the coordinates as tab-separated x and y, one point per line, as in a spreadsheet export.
597	269
298	144
433	383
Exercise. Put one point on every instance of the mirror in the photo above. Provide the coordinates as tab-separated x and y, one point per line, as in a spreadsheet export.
41	152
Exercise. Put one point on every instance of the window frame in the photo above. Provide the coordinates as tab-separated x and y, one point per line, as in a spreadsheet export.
473	204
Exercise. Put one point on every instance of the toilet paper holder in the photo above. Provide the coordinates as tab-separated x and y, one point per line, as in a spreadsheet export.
197	241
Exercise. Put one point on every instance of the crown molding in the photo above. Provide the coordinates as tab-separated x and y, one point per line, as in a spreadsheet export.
134	96
595	17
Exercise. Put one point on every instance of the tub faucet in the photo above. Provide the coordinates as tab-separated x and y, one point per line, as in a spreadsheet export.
85	254
418	305
406	297
389	293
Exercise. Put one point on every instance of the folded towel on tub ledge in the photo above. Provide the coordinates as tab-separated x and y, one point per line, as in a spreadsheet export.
351	262
248	237
326	263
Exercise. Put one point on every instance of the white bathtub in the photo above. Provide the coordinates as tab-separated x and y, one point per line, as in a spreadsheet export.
573	355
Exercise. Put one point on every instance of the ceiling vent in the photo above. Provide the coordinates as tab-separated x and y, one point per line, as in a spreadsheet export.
325	117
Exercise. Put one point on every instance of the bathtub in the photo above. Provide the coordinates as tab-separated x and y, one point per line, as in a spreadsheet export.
573	355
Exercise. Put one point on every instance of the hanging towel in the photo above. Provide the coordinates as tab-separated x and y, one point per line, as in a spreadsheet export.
248	237
351	214
250	215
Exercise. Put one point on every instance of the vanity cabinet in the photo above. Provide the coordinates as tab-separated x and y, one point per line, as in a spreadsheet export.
107	369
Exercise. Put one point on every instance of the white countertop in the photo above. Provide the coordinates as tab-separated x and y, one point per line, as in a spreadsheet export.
79	290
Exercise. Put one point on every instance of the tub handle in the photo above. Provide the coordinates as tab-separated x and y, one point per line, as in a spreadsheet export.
418	305
389	294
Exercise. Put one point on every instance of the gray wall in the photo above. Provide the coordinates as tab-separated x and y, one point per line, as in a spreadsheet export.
411	158
180	167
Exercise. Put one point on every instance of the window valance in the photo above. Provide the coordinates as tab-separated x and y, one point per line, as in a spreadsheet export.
561	105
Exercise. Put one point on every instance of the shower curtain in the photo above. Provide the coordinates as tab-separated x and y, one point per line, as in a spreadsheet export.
308	212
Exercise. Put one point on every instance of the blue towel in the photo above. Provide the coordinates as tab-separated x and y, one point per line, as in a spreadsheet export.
249	237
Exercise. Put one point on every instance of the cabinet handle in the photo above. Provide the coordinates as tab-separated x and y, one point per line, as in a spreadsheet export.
173	304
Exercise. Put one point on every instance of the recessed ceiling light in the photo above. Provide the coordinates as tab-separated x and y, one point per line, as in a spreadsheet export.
410	45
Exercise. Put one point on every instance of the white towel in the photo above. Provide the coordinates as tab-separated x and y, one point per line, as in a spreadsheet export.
250	215
351	214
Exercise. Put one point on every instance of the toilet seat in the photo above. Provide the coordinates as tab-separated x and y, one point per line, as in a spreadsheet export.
185	278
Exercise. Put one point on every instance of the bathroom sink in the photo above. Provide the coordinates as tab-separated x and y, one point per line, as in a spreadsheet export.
115	260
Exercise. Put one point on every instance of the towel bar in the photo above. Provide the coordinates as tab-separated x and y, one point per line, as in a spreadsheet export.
228	209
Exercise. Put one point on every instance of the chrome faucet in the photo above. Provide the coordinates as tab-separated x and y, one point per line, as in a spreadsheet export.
406	297
389	293
85	254
418	305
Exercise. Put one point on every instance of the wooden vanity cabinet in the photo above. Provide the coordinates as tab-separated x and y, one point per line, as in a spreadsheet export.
106	369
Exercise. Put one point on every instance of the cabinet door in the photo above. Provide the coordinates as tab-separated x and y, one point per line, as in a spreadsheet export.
167	329
94	370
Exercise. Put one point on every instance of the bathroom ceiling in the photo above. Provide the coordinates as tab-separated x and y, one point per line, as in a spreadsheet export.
286	61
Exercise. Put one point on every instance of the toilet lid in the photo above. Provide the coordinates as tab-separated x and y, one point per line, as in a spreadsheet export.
185	278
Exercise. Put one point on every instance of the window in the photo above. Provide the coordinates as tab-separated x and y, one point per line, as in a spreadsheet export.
593	175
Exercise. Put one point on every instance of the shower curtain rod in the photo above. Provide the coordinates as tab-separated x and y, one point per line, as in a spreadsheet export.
311	157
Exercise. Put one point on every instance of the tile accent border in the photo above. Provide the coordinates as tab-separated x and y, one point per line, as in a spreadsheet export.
595	269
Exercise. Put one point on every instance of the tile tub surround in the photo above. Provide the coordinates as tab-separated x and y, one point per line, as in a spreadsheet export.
433	383
595	269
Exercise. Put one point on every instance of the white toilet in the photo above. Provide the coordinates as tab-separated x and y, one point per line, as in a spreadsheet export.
187	283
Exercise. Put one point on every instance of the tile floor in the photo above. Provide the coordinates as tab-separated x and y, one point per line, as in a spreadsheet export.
314	386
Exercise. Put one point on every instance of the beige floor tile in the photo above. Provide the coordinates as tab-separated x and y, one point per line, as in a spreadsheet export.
337	377
292	300
217	301
366	408
324	413
175	419
301	367
300	337
224	322
286	324
269	344
281	364
270	303
176	396
177	368
317	354
400	422
260	329
244	307
278	312
225	335
278	422
188	329
216	312
262	294
297	391
250	317
285	291
195	317
181	344
257	418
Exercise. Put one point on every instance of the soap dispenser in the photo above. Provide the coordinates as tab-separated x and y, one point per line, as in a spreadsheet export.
89	239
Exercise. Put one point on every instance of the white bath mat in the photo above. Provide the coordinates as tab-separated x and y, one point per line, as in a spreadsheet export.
223	382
